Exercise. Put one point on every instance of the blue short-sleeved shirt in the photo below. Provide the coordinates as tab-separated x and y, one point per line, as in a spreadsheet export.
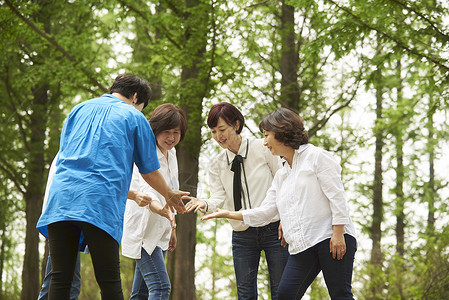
100	141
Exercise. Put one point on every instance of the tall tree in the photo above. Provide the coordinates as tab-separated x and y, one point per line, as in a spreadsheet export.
290	94
37	63
194	87
400	172
431	190
378	209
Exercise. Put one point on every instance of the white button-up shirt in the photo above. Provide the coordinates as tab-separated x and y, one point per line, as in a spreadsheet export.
309	198
143	228
259	168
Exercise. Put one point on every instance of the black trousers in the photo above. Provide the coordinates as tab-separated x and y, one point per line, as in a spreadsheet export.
63	238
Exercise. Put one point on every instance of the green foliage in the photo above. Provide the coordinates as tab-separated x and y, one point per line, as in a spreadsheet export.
51	55
346	50
9	258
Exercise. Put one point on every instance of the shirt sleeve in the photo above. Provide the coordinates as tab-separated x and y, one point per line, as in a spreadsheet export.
145	153
51	174
218	193
264	214
328	172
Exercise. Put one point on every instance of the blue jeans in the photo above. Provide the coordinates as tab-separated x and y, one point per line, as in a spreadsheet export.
246	249
151	275
76	283
302	269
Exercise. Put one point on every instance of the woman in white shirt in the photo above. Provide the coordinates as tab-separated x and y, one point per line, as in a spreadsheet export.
239	178
148	236
308	195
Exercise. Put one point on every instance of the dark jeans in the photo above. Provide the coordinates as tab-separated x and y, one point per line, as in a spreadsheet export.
246	249
303	268
64	243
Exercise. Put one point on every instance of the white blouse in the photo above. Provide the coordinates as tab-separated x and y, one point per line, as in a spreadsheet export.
143	228
259	168
309	198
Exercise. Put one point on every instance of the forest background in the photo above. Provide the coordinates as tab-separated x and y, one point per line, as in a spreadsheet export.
370	78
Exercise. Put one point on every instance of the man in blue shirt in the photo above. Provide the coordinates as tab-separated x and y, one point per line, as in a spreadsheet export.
100	141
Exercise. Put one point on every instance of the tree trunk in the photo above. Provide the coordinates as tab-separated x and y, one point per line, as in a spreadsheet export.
34	193
399	190
377	216
181	263
2	257
431	192
289	59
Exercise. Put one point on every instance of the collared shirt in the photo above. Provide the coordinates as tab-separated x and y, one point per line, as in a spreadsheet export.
259	167
143	228
309	198
100	141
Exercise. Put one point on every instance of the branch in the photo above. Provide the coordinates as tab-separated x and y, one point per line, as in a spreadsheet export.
409	8
256	4
52	67
174	8
55	44
391	38
330	112
6	167
141	14
20	120
132	8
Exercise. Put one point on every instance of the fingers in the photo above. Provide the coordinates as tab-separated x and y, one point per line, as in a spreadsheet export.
280	232
207	217
175	200
338	251
142	199
190	206
179	207
283	242
144	202
194	204
215	215
281	236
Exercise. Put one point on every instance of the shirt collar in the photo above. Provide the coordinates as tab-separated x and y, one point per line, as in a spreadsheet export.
160	155
298	151
111	97
243	151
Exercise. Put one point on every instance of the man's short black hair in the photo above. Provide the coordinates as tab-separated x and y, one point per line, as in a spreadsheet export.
128	85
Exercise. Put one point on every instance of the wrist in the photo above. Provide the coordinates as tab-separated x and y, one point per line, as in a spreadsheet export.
169	194
206	205
339	229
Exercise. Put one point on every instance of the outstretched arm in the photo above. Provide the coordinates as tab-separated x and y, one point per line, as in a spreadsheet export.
173	198
221	213
163	211
141	199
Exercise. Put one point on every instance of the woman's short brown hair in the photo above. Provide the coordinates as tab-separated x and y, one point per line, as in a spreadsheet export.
228	112
168	116
287	126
